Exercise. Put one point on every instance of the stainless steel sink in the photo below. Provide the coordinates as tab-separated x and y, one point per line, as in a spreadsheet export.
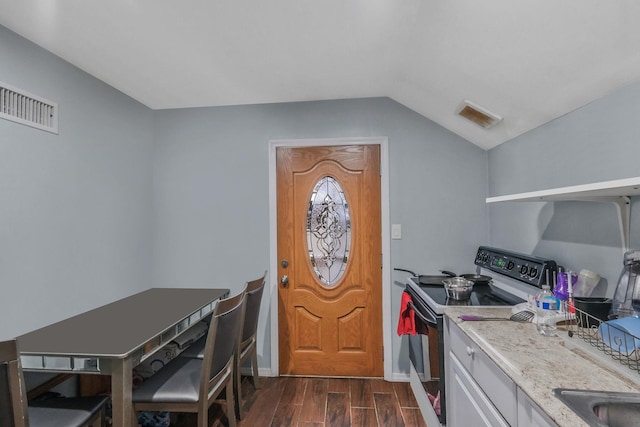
602	408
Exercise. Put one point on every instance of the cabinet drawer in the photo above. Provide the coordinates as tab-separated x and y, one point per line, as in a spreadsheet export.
498	387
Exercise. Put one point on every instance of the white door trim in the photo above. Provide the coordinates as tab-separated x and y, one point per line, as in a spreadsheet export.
274	281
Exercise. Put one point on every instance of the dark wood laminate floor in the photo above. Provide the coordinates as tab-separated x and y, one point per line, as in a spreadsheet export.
321	402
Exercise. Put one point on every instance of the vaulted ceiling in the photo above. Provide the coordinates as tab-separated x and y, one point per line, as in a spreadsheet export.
528	61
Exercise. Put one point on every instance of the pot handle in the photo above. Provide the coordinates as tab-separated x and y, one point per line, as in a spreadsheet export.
448	273
408	271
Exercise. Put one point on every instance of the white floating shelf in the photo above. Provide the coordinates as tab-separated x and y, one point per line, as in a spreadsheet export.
622	187
616	192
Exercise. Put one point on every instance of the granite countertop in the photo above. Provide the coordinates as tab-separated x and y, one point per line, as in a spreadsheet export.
538	364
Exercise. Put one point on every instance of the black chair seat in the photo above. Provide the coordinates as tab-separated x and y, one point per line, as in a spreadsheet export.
64	411
55	412
177	382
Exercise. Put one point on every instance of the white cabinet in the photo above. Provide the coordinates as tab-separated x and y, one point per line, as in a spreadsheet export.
476	387
467	405
529	414
479	393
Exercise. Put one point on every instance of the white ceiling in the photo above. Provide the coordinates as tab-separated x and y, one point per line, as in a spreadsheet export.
528	61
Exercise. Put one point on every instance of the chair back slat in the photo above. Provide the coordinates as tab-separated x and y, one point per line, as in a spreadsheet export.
13	403
6	404
255	289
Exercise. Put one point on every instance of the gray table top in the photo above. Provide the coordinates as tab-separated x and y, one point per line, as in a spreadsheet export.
117	329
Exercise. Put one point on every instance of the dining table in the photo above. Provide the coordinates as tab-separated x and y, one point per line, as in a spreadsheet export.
116	337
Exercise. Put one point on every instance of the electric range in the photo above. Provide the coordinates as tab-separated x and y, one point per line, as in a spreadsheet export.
515	278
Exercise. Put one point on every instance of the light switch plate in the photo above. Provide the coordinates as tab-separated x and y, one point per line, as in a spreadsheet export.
396	231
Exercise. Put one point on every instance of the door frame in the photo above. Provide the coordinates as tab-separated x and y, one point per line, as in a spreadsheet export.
383	142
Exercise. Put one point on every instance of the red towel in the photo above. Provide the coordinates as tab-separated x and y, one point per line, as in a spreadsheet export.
407	320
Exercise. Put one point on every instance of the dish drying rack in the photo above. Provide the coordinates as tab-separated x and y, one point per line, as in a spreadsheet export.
618	344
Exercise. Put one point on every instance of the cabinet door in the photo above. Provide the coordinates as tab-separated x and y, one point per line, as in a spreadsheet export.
530	415
467	405
495	384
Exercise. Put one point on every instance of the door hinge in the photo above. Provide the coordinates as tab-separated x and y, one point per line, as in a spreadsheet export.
383	353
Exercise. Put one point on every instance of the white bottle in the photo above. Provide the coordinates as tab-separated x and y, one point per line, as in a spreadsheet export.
587	280
546	310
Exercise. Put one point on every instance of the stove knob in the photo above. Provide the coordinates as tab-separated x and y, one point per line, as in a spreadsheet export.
524	270
510	265
533	272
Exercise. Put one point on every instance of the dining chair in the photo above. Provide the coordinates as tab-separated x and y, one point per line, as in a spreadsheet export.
247	348
15	411
192	384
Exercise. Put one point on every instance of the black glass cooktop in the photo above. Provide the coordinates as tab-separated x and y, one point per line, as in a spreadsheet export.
482	295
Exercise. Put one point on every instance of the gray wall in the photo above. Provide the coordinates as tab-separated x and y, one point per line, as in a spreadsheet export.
126	198
598	142
75	208
212	195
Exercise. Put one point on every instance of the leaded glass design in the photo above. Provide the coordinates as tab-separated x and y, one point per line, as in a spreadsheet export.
328	230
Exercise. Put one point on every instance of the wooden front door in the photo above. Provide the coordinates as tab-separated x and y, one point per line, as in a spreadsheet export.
330	250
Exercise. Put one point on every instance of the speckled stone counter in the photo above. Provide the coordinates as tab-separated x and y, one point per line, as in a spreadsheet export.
539	364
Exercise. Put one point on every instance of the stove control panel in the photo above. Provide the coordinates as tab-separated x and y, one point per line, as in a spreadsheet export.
526	268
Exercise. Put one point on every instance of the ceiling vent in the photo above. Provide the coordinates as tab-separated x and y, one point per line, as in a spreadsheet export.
27	109
478	115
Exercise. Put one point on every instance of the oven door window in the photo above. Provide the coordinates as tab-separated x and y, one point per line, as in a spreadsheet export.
426	353
419	355
423	347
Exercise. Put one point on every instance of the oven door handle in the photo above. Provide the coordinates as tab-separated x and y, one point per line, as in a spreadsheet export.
430	320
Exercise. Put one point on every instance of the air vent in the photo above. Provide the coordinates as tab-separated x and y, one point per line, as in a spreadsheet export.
478	115
27	109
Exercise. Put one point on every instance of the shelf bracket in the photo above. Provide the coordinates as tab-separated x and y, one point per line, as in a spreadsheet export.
623	206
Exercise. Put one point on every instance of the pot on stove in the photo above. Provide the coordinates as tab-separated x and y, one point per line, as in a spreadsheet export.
458	288
477	279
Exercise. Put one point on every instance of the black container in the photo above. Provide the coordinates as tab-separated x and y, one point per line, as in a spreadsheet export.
593	306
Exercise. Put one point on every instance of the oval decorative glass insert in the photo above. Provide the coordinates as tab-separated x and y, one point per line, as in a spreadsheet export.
328	230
